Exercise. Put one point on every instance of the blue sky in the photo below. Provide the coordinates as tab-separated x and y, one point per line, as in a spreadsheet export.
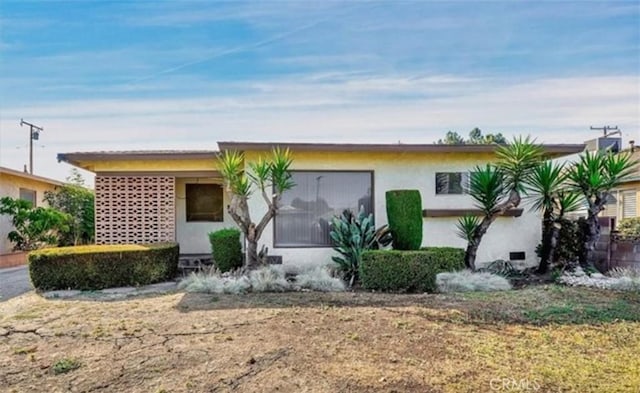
102	75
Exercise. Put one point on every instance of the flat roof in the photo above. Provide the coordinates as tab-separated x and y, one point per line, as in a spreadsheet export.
395	147
76	158
25	175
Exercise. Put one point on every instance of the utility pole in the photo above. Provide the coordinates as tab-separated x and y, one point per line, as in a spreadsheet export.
605	130
34	135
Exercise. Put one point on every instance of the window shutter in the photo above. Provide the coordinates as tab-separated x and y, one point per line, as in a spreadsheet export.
629	199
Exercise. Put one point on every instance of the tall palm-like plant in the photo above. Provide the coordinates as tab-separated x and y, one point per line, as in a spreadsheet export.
594	176
497	188
271	177
548	190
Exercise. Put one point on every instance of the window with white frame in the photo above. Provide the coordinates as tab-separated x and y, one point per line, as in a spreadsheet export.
305	212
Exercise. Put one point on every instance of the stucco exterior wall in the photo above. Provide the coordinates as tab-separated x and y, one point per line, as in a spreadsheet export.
193	236
10	185
413	171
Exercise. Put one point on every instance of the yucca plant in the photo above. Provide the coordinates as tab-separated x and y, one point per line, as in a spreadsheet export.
594	176
497	188
352	235
271	177
547	189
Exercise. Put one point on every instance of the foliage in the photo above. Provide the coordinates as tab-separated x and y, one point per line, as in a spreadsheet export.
404	214
570	243
99	267
268	279
264	279
502	268
496	188
594	176
78	203
618	280
407	271
547	189
351	236
226	249
466	226
34	228
213	282
271	177
475	137
65	365
468	281
320	280
629	226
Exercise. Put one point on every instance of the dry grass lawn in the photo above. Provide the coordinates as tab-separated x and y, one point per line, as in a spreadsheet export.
544	339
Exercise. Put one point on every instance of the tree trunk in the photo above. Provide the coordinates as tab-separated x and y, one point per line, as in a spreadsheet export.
549	256
546	252
252	259
487	220
591	237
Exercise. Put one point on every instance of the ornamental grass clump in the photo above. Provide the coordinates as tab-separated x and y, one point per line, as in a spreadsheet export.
468	281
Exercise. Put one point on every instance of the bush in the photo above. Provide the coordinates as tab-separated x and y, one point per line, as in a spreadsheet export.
99	267
468	281
570	248
265	279
629	226
408	271
404	214
226	249
268	279
213	282
619	279
319	279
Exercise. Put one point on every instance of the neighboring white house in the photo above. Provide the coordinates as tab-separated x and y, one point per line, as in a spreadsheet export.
149	196
17	184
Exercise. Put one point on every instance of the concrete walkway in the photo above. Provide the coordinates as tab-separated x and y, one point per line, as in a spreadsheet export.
14	281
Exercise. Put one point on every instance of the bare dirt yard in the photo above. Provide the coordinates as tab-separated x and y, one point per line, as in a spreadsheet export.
540	339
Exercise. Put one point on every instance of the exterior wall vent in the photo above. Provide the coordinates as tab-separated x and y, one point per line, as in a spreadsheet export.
517	256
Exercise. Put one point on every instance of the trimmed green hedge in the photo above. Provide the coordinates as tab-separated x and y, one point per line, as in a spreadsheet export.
404	214
226	249
105	266
408	271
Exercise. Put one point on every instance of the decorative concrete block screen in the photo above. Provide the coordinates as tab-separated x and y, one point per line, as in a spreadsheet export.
135	209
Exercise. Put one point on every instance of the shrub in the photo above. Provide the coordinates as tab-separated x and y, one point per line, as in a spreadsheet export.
410	271
619	279
98	267
468	281
319	279
570	242
268	279
226	249
33	227
404	214
213	282
629	226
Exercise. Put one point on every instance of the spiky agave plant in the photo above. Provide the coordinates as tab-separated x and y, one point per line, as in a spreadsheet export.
352	235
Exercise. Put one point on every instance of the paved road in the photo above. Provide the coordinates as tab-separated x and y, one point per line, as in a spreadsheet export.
14	281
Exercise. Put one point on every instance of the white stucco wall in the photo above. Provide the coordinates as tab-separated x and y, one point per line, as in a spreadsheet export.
414	171
193	236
